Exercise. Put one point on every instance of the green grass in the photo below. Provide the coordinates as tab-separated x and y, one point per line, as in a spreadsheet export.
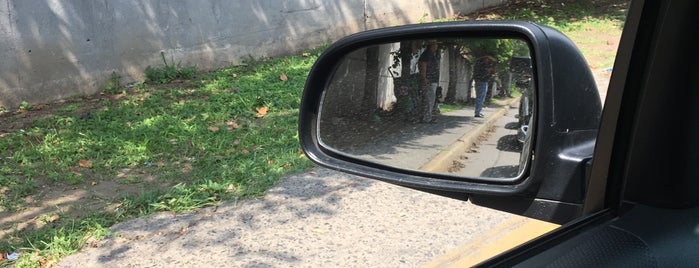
571	16
46	247
213	127
590	24
446	107
228	134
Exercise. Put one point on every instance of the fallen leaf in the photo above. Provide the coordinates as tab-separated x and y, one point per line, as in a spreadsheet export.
213	128
283	77
232	125
93	183
85	163
305	54
262	111
234	75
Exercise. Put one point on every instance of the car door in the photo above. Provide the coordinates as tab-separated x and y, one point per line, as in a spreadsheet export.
642	206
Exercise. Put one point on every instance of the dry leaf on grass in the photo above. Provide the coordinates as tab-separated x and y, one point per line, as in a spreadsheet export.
85	163
262	111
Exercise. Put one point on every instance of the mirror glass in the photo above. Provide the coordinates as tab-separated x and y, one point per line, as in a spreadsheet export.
456	106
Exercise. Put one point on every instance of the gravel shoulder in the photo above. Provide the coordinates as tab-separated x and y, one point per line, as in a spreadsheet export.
313	219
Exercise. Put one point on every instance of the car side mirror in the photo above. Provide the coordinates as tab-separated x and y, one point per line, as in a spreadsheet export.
502	113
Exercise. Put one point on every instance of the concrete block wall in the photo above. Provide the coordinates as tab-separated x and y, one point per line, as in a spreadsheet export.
54	49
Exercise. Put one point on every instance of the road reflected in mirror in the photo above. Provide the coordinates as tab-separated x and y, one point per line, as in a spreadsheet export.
454	106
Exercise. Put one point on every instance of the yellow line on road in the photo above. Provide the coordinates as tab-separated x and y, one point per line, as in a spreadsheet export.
511	233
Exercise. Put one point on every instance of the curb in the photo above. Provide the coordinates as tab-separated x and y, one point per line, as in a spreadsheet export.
442	161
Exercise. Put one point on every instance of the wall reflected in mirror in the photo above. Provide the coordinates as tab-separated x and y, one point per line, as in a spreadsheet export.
456	106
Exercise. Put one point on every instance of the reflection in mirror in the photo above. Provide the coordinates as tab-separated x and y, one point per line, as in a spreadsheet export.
454	106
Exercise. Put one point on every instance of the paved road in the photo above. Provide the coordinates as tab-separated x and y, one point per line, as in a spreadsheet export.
320	218
497	153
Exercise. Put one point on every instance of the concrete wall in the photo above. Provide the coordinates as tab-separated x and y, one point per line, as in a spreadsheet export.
53	49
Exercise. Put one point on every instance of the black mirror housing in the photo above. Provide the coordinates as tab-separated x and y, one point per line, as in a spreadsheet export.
568	109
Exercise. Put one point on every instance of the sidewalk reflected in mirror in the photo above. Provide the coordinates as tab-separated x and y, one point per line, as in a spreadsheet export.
453	106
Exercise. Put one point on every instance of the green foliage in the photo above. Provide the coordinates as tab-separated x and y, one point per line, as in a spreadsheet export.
25	106
423	18
168	72
501	49
113	85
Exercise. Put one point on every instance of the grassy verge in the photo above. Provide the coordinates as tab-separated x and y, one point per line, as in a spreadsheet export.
594	26
223	135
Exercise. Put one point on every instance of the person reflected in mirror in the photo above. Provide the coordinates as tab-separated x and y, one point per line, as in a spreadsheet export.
483	73
429	77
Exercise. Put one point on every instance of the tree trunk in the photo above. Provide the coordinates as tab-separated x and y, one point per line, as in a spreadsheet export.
454	59
369	100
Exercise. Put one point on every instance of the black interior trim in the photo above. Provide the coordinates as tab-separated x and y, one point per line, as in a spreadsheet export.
630	241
